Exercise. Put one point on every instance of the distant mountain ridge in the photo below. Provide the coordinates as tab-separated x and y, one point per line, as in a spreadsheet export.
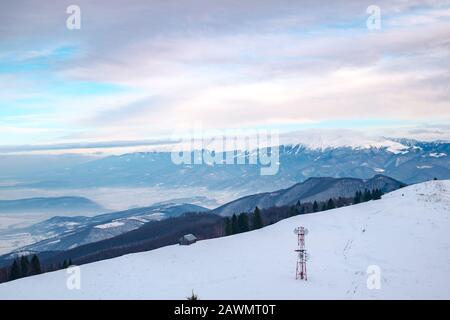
413	162
50	204
313	189
64	233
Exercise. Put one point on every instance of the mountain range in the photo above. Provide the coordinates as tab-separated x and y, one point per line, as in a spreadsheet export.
56	205
410	162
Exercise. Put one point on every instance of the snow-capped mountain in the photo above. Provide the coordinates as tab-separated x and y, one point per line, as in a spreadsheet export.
404	236
406	161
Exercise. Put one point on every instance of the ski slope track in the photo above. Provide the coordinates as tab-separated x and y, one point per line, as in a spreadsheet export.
406	234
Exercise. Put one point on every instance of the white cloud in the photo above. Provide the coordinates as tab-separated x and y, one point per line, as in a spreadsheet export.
225	65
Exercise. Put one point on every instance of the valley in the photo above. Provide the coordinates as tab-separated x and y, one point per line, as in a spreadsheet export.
343	243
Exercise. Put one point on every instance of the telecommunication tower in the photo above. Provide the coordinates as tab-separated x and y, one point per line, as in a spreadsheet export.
300	272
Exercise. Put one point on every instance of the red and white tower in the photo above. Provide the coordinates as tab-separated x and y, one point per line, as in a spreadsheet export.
300	272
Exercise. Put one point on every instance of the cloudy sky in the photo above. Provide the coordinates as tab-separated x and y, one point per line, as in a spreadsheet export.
140	70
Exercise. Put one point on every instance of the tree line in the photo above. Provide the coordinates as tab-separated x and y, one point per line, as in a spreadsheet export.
367	195
26	266
243	222
247	221
23	267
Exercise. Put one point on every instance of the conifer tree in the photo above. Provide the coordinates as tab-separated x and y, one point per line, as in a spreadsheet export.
293	211
257	220
228	227
367	195
303	210
24	266
234	224
315	206
35	265
377	193
339	203
357	198
374	194
330	204
243	222
16	272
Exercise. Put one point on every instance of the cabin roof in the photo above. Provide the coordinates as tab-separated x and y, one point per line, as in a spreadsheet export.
190	237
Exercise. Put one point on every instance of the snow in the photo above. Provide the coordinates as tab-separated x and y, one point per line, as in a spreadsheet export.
424	167
70	224
405	234
113	224
55	241
335	138
438	155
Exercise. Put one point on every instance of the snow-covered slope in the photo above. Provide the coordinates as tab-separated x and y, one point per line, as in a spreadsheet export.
406	234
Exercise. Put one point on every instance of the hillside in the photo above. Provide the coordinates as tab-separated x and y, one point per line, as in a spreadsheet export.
405	234
313	189
63	233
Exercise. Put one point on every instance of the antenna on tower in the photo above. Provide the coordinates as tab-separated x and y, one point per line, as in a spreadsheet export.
300	272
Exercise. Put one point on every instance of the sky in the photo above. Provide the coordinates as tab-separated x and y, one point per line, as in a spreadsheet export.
142	70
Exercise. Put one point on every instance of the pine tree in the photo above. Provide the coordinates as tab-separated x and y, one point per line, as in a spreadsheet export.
228	227
376	194
330	204
367	195
257	220
234	224
357	198
293	211
16	272
315	206
303	210
324	207
24	266
65	264
243	222
70	262
35	265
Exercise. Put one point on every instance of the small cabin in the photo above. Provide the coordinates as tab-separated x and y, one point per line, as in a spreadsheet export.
187	239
